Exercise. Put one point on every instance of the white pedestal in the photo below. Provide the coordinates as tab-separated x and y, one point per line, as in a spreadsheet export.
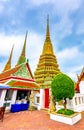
66	119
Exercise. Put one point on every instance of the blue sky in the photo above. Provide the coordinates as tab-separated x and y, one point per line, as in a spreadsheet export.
66	30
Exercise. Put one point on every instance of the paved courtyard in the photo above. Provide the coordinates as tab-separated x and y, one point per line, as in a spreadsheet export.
35	120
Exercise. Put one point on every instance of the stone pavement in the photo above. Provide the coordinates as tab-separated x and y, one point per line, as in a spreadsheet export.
35	120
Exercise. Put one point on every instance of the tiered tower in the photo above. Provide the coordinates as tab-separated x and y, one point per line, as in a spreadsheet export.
47	66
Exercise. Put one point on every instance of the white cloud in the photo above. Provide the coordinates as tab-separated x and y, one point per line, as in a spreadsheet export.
74	71
77	68
64	7
73	75
61	8
64	27
71	61
6	43
68	54
72	55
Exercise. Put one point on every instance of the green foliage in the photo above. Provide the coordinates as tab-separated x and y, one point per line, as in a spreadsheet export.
61	111
65	112
62	87
68	112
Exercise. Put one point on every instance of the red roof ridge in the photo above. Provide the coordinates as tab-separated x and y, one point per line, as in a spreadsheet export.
19	78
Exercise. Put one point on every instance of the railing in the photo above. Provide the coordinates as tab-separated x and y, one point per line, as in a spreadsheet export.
76	104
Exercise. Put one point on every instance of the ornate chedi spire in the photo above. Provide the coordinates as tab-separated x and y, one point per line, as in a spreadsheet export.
8	64
47	48
47	30
22	57
47	67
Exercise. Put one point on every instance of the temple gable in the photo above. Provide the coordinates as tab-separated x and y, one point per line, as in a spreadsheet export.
23	72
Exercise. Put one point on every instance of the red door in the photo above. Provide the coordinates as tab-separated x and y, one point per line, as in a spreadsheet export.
46	105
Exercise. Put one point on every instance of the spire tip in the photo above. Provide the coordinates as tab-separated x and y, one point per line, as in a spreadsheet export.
47	30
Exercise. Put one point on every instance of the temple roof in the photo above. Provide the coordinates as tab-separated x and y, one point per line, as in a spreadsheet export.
81	76
16	78
22	84
17	71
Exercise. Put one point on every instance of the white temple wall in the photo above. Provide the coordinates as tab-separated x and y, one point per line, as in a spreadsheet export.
78	102
2	97
42	99
37	100
39	104
81	86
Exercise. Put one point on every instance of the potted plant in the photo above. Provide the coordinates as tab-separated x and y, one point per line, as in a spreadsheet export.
62	87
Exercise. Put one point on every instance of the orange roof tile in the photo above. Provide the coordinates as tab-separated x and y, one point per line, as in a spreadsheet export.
9	72
14	83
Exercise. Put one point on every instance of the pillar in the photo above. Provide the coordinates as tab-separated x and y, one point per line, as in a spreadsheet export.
42	98
2	97
14	95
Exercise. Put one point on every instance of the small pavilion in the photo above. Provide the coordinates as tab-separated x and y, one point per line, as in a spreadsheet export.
19	79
